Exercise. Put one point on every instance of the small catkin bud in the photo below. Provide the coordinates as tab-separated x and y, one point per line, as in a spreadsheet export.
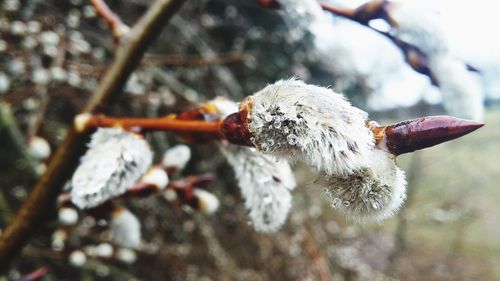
126	228
170	195
39	148
68	216
126	255
104	250
77	258
59	238
156	176
207	202
116	159
177	157
291	119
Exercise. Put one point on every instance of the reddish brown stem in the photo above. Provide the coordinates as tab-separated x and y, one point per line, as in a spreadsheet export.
157	124
233	128
198	180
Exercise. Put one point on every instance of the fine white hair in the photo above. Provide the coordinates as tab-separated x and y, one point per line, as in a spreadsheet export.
265	185
115	160
372	193
419	25
264	182
294	120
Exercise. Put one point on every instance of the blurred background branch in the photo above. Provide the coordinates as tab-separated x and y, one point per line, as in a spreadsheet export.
42	198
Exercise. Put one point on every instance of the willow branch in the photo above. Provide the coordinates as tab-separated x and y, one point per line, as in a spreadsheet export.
376	9
167	124
43	197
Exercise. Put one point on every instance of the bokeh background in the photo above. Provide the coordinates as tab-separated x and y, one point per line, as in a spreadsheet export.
52	54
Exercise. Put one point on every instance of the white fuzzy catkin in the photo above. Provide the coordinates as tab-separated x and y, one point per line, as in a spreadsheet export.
341	45
115	160
372	193
461	91
419	25
265	185
294	120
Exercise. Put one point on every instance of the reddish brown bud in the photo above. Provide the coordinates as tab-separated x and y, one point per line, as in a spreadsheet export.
270	4
235	129
411	135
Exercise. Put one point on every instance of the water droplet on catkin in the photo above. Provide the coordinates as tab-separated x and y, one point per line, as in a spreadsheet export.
268	117
292	139
336	202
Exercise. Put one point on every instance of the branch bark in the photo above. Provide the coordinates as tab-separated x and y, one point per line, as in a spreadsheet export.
43	197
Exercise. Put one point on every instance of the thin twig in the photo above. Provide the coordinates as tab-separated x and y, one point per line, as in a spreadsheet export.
400	236
113	20
316	255
5	210
199	41
168	124
43	197
10	131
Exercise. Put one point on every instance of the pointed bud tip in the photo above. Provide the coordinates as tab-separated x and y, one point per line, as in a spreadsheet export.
411	135
464	126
